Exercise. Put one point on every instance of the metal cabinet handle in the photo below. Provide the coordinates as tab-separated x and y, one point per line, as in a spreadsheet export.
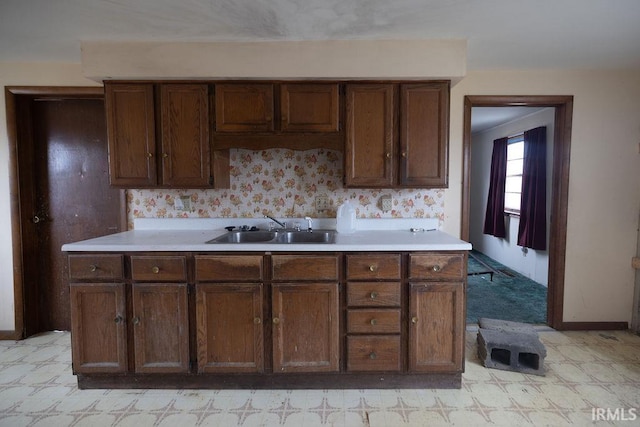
149	155
155	269
118	319
436	268
373	295
37	219
93	268
136	320
276	320
373	267
373	355
373	322
414	320
257	320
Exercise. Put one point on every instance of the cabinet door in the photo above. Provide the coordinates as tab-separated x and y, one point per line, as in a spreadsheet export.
229	323
185	135
436	327
160	327
131	134
305	327
369	148
424	129
98	328
309	107
244	107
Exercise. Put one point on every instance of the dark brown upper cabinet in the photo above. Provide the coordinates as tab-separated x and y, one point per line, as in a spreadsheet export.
397	135
244	107
309	107
179	114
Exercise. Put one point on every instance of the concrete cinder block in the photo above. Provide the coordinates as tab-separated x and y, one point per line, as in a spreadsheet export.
506	325
511	351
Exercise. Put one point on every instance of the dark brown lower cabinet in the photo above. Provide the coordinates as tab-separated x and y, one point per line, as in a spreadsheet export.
98	327
229	327
160	327
305	327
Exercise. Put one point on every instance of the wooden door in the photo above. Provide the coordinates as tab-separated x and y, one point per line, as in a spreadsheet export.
132	139
99	334
229	325
305	327
244	107
160	327
369	148
436	327
309	107
65	197
185	135
424	130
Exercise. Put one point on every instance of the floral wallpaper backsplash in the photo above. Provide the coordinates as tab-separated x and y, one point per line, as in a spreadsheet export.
282	183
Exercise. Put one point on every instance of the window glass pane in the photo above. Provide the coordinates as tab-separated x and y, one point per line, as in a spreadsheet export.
512	201
513	184
514	167
515	150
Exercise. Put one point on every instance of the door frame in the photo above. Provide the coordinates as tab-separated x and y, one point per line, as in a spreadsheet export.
19	194
559	194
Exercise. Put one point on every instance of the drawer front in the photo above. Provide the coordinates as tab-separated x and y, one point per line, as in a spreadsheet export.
370	267
229	267
436	266
103	267
372	353
373	294
379	321
304	267
159	268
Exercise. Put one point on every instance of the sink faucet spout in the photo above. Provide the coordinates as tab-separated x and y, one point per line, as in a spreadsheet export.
276	221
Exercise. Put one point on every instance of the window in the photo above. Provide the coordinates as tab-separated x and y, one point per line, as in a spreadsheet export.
513	183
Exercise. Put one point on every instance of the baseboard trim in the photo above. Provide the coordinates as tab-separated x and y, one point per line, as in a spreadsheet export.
593	326
10	335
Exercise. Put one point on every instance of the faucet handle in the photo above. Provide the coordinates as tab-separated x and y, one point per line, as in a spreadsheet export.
310	225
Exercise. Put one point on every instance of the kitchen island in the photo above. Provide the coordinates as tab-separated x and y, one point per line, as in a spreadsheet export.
158	307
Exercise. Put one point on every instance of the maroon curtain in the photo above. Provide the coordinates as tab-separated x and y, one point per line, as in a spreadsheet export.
532	232
494	218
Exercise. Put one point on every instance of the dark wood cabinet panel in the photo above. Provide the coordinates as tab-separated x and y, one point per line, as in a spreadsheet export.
373	266
131	134
229	325
306	107
184	118
424	129
244	107
434	266
369	139
304	267
373	294
373	321
374	353
305	327
229	267
159	268
98	327
436	327
96	267
160	327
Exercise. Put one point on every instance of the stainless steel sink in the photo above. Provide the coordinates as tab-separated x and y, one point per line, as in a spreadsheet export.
277	237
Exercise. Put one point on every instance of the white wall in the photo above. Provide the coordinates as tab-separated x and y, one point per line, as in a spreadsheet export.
533	264
604	196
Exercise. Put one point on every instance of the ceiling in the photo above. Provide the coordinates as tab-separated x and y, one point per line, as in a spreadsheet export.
485	118
500	33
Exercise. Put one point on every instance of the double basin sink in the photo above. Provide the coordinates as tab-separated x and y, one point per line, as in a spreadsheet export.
277	237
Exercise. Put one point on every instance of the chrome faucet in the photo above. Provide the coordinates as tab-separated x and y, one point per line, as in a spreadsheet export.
310	227
283	225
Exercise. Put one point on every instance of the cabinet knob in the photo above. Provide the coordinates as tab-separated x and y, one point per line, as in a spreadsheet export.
404	155
118	319
93	268
373	295
373	267
373	355
165	155
155	269
276	320
373	322
414	319
388	155
257	320
136	320
149	155
436	268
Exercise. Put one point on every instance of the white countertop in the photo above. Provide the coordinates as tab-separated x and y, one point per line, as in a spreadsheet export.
191	236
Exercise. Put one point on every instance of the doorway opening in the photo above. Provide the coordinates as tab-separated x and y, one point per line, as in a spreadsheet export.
60	193
563	110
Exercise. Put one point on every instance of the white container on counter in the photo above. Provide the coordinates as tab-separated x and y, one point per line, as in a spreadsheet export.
346	218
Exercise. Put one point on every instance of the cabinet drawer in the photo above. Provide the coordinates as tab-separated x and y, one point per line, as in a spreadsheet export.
96	267
372	353
378	321
304	267
229	267
368	267
158	268
436	266
373	294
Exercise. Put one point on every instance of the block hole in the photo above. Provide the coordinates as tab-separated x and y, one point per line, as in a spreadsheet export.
501	355
529	360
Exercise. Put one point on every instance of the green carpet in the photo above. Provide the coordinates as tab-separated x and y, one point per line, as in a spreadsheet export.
510	296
